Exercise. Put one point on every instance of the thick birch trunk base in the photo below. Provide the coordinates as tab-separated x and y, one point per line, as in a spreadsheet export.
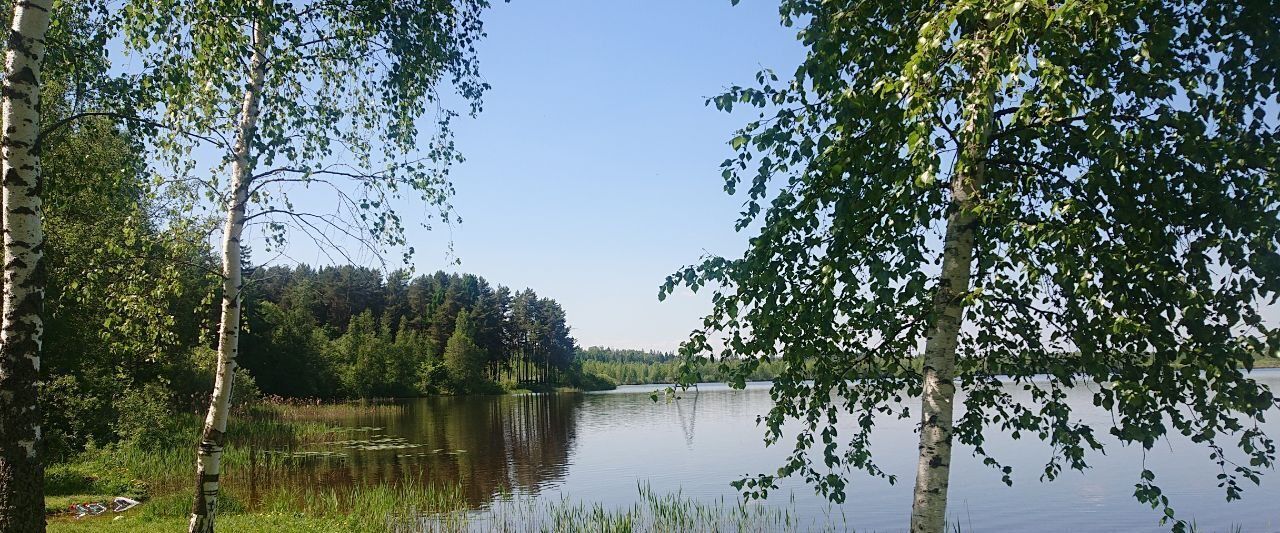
22	326
933	472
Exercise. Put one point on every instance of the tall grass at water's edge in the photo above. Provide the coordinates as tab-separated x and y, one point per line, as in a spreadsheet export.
126	469
442	509
652	511
292	410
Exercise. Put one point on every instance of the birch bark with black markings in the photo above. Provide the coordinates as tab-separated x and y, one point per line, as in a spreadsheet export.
22	326
937	402
209	452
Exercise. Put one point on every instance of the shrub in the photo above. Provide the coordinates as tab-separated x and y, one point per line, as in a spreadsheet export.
244	390
146	418
75	414
199	384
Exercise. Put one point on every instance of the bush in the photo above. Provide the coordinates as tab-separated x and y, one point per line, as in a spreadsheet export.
75	414
485	387
146	419
199	385
244	390
432	376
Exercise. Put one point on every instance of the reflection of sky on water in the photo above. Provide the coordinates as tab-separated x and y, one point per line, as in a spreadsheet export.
1092	494
650	441
597	447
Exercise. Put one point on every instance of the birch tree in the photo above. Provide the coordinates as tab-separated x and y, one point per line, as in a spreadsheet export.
966	195
323	95
21	326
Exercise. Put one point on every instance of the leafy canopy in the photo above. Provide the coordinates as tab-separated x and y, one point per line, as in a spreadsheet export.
345	83
1126	236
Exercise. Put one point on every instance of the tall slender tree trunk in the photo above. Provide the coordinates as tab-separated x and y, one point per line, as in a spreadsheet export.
933	472
209	452
22	325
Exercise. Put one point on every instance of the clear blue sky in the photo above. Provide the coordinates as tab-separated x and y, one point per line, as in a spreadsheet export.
593	171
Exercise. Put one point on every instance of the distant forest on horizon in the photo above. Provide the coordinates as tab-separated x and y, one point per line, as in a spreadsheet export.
398	335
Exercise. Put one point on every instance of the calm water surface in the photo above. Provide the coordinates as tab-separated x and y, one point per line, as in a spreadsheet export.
595	447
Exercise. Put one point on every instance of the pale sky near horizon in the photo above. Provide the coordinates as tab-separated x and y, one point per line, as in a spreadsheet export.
592	172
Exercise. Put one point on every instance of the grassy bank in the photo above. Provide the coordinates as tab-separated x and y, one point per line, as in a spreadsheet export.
391	511
266	448
1266	362
264	441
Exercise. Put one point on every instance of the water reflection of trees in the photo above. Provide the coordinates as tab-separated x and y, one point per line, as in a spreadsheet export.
688	422
484	445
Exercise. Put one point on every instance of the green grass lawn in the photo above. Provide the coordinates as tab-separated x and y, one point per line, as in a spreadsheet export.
146	517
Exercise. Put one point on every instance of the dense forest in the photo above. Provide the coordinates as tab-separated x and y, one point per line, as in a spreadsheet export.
346	332
638	367
130	327
332	332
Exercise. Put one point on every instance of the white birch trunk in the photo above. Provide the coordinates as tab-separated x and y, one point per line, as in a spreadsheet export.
933	472
22	326
209	452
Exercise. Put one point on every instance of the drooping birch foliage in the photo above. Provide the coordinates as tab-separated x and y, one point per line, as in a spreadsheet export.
964	196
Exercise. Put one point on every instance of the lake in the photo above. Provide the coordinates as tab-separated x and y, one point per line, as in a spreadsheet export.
596	447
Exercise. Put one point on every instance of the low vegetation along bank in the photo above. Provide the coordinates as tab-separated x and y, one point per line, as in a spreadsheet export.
387	511
271	452
266	460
